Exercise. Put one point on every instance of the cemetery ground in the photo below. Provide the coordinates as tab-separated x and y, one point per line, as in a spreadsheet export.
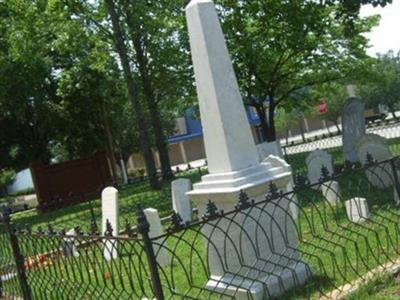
382	288
140	193
361	248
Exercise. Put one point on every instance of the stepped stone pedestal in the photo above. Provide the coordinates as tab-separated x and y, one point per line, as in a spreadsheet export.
252	254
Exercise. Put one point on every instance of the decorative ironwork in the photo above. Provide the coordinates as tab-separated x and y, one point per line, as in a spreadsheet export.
369	159
211	211
273	192
253	241
176	222
109	229
325	176
244	201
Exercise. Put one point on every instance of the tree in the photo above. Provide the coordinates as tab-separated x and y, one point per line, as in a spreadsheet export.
121	48
381	84
279	48
161	57
335	96
28	100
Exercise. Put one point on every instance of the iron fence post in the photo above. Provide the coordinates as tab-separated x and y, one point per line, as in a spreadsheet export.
19	258
396	180
285	152
1	288
143	228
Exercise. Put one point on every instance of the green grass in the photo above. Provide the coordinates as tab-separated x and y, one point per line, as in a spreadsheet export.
382	288
80	215
337	250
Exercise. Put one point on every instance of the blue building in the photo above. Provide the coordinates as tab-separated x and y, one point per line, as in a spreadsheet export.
187	143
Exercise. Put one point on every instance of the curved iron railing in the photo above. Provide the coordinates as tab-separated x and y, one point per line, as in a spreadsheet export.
317	240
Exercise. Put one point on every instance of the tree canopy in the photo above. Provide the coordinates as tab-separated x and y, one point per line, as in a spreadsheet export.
281	47
78	75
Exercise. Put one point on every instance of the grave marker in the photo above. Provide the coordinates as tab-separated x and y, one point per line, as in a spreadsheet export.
357	209
315	161
69	247
331	192
353	127
156	230
234	166
109	209
381	175
180	201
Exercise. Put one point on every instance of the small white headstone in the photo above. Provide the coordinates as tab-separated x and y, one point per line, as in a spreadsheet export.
265	149
69	247
377	146
357	209
331	192
156	230
315	161
109	208
180	201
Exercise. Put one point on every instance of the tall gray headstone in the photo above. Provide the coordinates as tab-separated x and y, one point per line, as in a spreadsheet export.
353	127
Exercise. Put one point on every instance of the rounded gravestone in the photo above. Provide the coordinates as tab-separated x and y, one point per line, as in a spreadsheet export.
315	161
380	175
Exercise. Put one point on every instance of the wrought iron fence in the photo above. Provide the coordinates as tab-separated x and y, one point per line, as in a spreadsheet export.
334	139
320	239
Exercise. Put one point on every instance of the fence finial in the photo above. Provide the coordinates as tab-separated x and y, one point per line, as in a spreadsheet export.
211	210
370	159
128	228
142	223
273	191
109	230
176	222
244	201
324	174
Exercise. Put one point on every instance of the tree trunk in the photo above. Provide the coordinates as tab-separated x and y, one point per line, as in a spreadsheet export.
132	95
263	120
392	111
110	144
287	135
152	105
271	134
337	125
299	122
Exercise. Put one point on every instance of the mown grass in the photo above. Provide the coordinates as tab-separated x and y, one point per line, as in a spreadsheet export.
385	287
337	250
81	214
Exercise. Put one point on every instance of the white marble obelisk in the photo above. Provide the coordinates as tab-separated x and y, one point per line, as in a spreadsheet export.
253	255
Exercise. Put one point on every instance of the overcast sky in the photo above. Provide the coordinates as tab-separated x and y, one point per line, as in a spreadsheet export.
386	36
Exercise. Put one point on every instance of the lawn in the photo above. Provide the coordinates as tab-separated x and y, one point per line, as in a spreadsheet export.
337	251
382	288
81	214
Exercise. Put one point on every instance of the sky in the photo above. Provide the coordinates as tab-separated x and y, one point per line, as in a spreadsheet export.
386	36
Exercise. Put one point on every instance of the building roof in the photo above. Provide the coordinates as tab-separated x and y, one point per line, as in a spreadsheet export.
195	130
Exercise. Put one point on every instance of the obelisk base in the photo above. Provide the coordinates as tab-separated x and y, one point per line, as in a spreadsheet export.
266	286
252	253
